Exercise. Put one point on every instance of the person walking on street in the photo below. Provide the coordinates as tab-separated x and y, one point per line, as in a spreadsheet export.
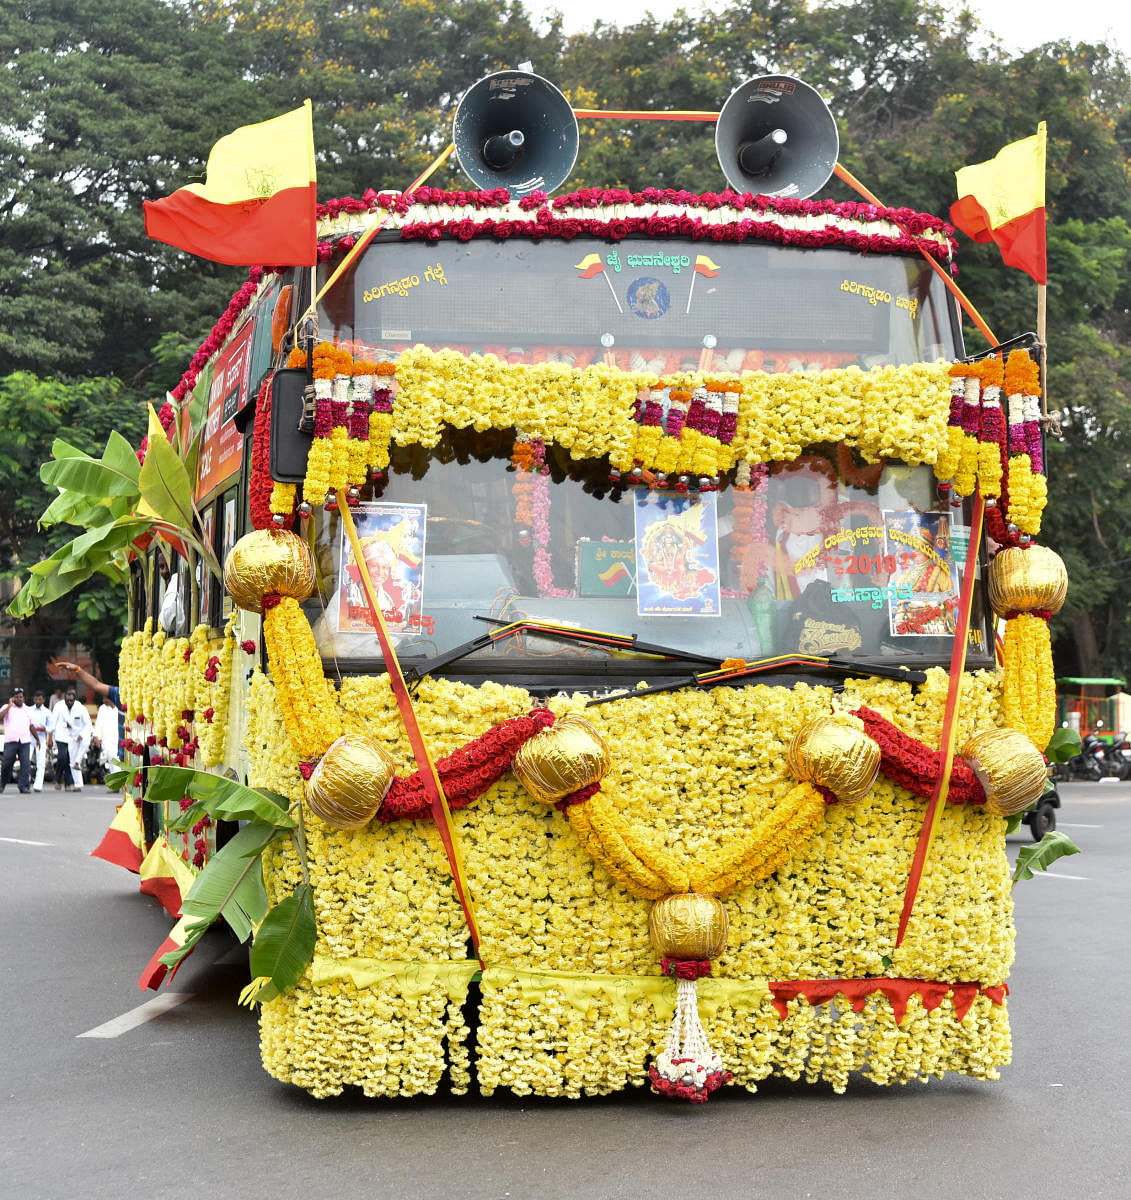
42	727
106	732
17	740
72	738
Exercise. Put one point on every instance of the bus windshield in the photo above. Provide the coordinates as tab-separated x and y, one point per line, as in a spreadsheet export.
820	556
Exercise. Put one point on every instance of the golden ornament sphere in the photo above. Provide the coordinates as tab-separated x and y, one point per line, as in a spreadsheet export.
1009	767
568	756
350	781
836	755
688	925
1022	580
266	561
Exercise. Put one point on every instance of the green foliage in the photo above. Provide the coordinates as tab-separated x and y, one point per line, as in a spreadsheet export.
230	886
284	944
1063	745
216	797
1031	859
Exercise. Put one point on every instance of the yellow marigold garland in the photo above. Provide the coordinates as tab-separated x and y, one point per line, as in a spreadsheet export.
306	696
1029	686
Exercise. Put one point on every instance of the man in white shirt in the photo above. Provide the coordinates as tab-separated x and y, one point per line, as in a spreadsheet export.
106	732
42	726
72	738
17	740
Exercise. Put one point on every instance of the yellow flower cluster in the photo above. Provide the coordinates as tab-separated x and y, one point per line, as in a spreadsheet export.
215	695
316	484
567	1050
1028	495
1029	691
282	499
132	661
306	696
896	412
694	771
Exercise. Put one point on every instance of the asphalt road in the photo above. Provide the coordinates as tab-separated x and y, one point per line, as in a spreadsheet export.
178	1106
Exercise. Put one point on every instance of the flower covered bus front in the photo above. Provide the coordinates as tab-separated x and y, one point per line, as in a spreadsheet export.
608	649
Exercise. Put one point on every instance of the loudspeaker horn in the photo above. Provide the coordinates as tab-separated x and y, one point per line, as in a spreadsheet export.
775	136
515	130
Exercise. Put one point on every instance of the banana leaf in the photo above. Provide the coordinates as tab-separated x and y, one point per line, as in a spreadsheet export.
284	943
221	798
1031	859
90	476
231	885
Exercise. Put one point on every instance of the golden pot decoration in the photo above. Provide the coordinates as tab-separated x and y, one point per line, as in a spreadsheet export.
268	561
350	781
687	925
1023	580
568	756
836	755
1009	767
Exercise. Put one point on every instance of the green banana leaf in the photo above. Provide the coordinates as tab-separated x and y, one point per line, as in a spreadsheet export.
231	885
220	798
1031	859
165	485
1063	745
90	476
284	943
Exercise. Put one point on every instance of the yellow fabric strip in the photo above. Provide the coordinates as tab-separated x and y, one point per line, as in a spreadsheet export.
1010	184
256	161
581	990
127	820
163	862
413	978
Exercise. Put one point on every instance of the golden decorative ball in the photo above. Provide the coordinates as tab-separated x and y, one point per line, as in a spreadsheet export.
687	925
568	756
1009	767
266	561
836	755
1022	580
350	781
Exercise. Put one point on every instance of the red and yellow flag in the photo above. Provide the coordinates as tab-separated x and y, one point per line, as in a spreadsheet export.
1003	200
124	842
256	207
706	266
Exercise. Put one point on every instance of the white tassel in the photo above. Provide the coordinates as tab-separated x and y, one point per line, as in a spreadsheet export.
688	1067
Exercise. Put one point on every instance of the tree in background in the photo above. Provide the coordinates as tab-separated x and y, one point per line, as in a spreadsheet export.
109	104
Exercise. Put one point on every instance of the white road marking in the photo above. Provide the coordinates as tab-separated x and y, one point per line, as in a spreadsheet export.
1077	825
1058	875
22	842
138	1016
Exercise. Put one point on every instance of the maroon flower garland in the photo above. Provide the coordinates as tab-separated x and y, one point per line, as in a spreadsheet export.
467	772
912	765
262	484
546	219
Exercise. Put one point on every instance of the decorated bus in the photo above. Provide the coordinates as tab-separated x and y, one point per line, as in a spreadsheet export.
601	688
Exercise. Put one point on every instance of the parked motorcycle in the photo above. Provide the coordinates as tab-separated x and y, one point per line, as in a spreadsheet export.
1117	762
1089	763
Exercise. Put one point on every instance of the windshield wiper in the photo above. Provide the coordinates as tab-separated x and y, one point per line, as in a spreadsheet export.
762	666
628	642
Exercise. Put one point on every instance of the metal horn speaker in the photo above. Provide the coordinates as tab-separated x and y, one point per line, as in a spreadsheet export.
775	136
515	130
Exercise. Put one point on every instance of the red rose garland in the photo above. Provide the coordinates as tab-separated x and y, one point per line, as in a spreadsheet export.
467	772
912	765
